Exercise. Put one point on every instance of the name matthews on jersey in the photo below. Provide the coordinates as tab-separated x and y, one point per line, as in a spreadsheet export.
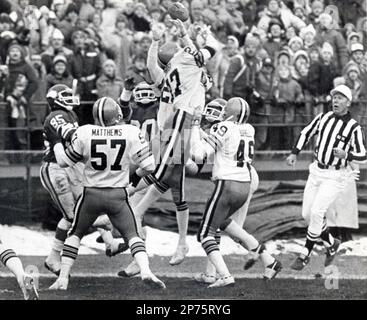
106	132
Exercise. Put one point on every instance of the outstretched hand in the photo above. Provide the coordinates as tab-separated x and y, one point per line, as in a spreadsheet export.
291	159
180	27
157	31
129	83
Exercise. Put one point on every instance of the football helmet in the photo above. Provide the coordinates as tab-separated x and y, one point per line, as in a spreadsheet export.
61	96
143	93
214	111
237	110
166	52
106	112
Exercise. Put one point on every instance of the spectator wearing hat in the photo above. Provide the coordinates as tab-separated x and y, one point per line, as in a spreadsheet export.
295	44
85	65
59	73
18	65
140	18
109	84
308	34
56	47
321	76
353	37
275	40
261	109
68	23
228	52
283	58
357	55
352	76
348	29
317	8
300	12
138	70
328	34
242	71
274	9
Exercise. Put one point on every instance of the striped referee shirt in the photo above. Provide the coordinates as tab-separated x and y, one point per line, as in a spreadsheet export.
334	132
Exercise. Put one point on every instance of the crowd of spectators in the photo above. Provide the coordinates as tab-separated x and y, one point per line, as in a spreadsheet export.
283	57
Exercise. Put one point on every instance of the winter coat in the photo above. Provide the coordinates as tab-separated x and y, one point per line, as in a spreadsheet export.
240	79
24	68
109	87
48	55
336	39
53	79
320	78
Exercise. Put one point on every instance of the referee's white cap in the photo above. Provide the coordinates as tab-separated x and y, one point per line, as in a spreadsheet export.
344	90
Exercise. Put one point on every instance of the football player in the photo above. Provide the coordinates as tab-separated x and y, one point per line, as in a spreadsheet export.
107	149
64	184
181	79
26	282
232	144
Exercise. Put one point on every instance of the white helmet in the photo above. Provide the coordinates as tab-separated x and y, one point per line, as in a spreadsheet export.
215	110
237	110
143	93
107	112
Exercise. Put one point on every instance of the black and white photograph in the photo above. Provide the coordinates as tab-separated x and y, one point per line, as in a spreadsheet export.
183	155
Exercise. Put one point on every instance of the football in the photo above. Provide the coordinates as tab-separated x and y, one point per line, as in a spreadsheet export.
178	11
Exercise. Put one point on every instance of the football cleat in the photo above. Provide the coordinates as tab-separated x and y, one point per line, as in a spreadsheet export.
301	261
222	282
122	247
272	270
29	288
205	278
51	268
179	255
60	284
255	255
152	281
331	252
131	270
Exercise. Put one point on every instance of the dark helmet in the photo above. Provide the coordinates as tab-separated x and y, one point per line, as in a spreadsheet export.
61	96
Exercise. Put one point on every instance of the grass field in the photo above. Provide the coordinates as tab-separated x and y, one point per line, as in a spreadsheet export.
94	278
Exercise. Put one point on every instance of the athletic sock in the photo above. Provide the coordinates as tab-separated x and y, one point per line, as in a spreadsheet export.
182	217
212	250
69	255
138	251
10	259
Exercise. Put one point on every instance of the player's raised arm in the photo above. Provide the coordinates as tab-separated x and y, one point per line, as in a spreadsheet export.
155	71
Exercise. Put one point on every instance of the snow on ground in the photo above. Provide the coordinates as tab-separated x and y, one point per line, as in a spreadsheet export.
37	242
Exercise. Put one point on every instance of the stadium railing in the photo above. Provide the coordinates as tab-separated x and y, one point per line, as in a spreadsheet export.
31	157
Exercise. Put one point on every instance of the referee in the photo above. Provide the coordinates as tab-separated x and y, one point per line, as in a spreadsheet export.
339	144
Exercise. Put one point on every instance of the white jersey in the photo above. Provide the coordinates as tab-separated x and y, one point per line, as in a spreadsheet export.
108	153
234	145
183	81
